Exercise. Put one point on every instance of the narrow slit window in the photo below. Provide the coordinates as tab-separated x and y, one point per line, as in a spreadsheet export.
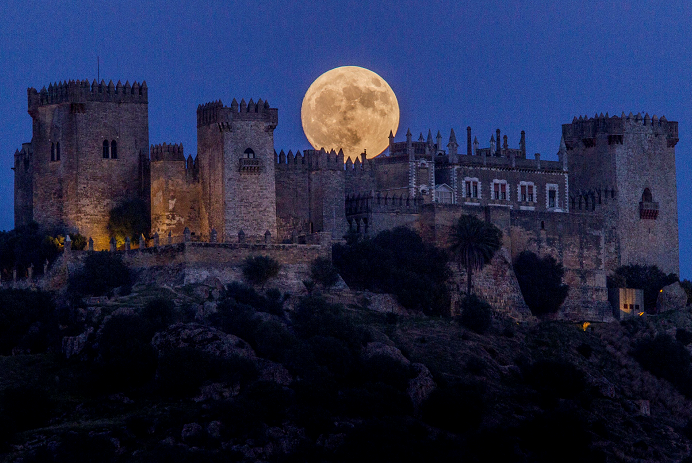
114	150
106	151
57	151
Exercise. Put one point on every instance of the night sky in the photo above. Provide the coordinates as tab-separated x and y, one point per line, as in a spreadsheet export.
492	64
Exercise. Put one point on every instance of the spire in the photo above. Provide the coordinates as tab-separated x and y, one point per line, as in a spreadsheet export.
452	146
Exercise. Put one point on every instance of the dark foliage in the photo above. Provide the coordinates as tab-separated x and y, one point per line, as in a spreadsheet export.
125	355
397	261
259	269
476	314
79	242
324	272
23	246
456	408
272	302
102	272
315	316
23	408
687	286
683	336
668	359
159	314
554	378
28	320
183	370
585	350
129	220
540	280
648	278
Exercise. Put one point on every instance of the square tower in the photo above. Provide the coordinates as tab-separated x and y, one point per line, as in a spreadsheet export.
630	159
237	164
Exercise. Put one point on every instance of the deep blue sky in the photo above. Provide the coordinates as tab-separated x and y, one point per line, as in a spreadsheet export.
492	64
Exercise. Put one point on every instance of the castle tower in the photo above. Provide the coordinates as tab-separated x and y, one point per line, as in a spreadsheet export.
635	156
235	150
89	154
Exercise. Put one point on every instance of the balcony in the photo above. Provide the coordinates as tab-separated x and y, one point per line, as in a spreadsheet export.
648	210
251	165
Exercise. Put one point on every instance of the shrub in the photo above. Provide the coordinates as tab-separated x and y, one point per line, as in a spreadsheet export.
556	378
26	245
397	261
159	314
648	278
668	359
323	272
540	281
476	314
259	269
27	318
456	408
683	336
79	242
126	356
102	272
315	316
129	220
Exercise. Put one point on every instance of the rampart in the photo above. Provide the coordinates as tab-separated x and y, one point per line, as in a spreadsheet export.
79	91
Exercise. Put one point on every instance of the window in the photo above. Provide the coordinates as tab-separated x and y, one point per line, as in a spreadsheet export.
52	151
500	190
551	196
106	151
471	187
57	151
526	192
249	153
114	150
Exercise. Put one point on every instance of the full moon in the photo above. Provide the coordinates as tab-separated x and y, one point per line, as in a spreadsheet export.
350	108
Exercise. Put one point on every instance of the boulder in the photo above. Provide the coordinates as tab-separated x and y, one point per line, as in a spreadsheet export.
201	337
191	432
379	348
671	297
271	371
420	387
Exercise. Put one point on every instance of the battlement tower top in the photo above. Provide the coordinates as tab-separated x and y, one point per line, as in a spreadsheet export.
80	91
586	129
216	113
165	152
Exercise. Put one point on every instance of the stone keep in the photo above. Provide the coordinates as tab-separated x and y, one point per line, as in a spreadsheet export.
89	153
235	147
632	158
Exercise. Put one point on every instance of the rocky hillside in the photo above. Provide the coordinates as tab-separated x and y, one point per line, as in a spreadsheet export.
208	372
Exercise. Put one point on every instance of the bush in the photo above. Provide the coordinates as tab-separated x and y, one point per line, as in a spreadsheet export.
27	319
79	242
129	220
555	378
540	280
397	261
648	278
26	245
102	272
125	354
272	302
668	359
456	408
476	314
259	269
323	272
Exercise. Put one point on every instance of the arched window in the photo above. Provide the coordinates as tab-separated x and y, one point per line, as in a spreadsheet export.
106	152
57	151
52	151
646	196
114	150
249	153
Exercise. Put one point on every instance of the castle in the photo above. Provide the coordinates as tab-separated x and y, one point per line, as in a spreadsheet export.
609	200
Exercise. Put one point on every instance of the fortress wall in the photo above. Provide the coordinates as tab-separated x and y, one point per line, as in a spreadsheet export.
292	197
174	198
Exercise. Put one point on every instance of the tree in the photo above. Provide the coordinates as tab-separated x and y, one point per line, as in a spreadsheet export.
540	280
323	272
646	277
129	220
259	269
476	314
474	243
102	272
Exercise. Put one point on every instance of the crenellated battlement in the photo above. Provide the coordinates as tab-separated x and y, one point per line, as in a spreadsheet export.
80	91
310	160
587	129
378	202
165	152
216	113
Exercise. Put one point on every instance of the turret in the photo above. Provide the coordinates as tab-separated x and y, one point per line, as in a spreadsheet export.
452	147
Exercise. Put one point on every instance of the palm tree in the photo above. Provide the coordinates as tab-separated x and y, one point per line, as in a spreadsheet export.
474	243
